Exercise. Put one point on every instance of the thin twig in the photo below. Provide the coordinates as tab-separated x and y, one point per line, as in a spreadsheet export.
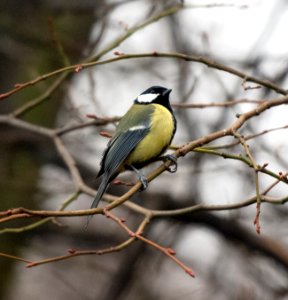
243	159
74	253
76	68
249	137
14	217
256	172
36	224
216	104
216	207
144	211
199	59
269	188
14	257
39	100
167	251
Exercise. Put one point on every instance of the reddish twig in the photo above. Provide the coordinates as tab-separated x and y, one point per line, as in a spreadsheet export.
15	257
256	172
216	104
167	251
256	221
121	182
269	188
90	61
14	217
74	253
105	134
200	59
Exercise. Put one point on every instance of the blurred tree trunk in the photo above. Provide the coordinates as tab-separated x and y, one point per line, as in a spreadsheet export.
27	50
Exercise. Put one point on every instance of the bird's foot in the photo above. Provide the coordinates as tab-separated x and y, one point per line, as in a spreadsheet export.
144	182
173	167
142	178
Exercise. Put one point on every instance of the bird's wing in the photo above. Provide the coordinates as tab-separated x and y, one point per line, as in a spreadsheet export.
125	140
119	148
116	152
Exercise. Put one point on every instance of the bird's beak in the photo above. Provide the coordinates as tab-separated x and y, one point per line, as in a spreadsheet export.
167	92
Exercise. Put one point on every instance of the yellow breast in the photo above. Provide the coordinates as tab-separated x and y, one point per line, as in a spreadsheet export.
157	140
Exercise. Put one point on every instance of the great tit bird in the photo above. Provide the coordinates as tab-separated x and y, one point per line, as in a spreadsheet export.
141	137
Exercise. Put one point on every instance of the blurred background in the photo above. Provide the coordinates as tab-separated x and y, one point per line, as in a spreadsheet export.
230	260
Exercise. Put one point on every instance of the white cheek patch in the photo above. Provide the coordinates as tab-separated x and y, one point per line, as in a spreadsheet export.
139	127
147	98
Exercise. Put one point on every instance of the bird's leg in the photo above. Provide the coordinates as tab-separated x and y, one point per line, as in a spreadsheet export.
141	177
173	167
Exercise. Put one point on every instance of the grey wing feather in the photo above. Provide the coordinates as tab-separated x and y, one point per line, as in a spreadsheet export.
117	151
122	147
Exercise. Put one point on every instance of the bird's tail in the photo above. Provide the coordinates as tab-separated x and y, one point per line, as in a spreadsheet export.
101	190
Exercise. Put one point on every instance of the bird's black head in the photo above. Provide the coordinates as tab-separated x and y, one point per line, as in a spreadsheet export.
155	95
